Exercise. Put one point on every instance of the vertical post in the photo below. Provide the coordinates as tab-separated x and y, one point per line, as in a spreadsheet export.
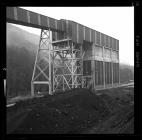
94	74
32	89
81	66
94	77
112	66
72	75
103	66
50	90
112	72
92	66
119	72
119	66
63	72
109	72
32	84
53	59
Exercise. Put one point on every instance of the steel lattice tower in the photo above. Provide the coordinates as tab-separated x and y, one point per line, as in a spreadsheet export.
42	66
58	64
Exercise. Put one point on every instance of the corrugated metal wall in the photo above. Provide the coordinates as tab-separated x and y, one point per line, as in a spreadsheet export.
79	33
99	76
87	67
76	31
115	72
28	18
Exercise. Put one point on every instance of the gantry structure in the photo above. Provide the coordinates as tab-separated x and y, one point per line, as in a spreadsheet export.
70	55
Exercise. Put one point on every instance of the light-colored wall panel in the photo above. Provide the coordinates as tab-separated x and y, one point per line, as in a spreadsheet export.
115	55
98	51
107	53
107	59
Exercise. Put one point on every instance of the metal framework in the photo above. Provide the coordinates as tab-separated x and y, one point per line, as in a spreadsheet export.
58	64
42	67
87	80
67	65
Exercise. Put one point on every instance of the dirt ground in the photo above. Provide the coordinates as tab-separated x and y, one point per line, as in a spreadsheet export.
78	111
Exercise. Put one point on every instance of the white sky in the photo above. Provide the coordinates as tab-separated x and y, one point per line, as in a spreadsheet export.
117	22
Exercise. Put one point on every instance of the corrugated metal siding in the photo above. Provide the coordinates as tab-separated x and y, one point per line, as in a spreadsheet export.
114	44
10	12
80	34
117	44
108	73
107	41
44	20
102	39
93	36
86	67
110	42
33	18
69	29
57	36
98	41
115	72
65	25
59	25
27	18
53	36
22	15
115	47
96	72
87	34
74	32
52	23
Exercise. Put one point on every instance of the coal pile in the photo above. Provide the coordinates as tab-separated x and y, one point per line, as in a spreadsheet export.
69	112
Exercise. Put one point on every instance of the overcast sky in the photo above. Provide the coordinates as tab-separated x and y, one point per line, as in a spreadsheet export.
117	22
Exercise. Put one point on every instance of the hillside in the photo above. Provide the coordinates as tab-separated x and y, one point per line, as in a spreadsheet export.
126	73
20	38
21	49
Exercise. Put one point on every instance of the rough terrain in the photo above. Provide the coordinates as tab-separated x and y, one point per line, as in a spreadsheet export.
78	111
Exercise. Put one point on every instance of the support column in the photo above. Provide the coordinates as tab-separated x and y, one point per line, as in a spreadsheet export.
81	66
104	67
72	70
93	66
49	55
42	76
112	72
119	66
112	66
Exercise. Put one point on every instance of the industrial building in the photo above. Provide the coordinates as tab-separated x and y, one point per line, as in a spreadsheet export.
76	56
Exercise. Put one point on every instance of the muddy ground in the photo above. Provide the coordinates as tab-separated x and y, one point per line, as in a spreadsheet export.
78	111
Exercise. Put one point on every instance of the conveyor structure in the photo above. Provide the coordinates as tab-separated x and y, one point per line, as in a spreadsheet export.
70	55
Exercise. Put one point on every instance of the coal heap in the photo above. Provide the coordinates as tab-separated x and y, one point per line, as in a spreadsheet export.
69	112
